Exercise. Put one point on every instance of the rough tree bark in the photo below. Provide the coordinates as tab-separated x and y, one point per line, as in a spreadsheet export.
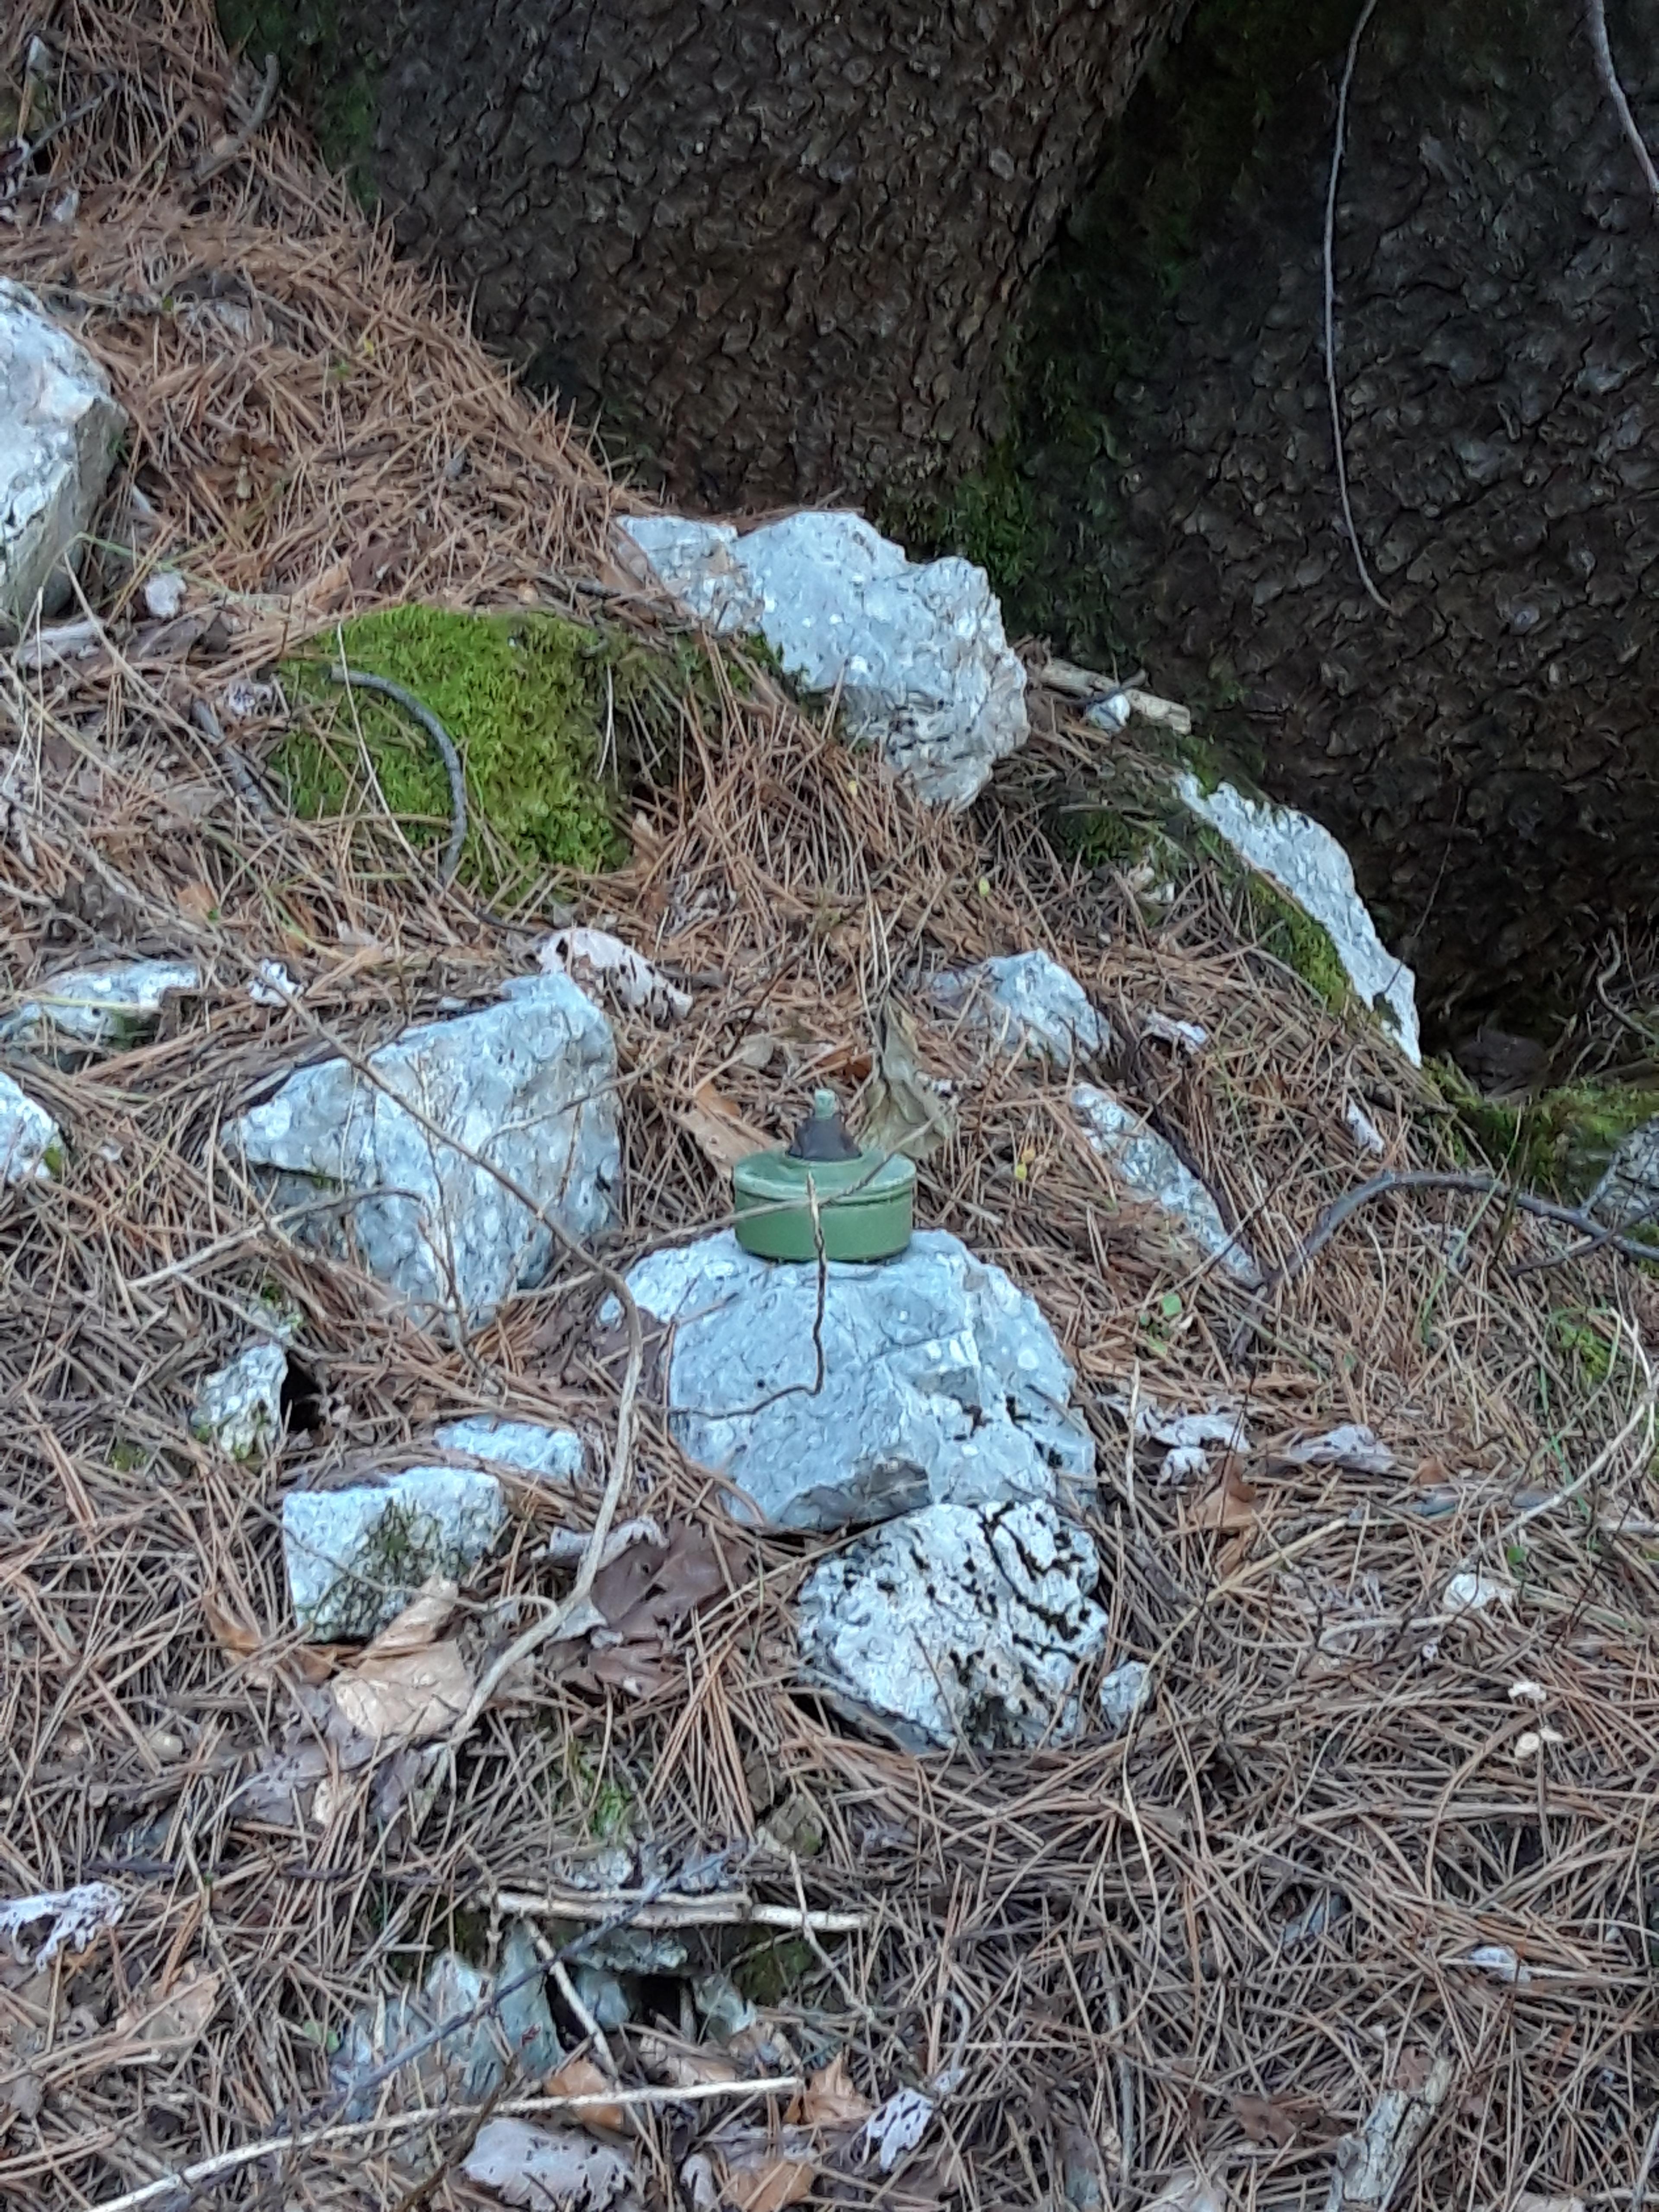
779	244
1488	745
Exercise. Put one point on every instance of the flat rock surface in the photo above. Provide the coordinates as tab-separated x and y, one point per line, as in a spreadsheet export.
941	1381
527	1086
958	1624
555	1455
356	1557
1029	1004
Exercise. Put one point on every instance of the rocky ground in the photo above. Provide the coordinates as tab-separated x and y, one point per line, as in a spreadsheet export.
1145	1699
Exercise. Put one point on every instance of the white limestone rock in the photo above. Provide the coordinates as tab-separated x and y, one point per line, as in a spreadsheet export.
239	1408
117	1005
528	1084
59	431
926	674
356	1557
31	1142
1123	1692
941	1381
552	1454
958	1624
1149	1167
1029	1004
1307	863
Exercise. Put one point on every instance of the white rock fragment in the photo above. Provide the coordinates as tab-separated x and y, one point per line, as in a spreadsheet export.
958	1624
1029	1004
1473	1593
239	1408
272	986
1123	1692
917	651
528	1086
941	1381
554	1455
1150	1169
1500	1960
118	1005
164	594
78	1918
1307	863
1367	1137
59	430
31	1142
356	1557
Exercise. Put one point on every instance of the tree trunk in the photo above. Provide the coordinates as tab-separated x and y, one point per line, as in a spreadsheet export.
777	245
1488	743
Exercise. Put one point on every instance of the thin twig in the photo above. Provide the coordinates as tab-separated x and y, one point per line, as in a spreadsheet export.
1601	47
1365	14
192	2177
357	680
233	149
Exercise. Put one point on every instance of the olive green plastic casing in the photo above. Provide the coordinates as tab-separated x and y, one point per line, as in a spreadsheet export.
866	1204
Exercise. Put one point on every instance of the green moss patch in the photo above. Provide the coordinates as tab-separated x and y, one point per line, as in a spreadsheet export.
320	70
1561	1142
550	719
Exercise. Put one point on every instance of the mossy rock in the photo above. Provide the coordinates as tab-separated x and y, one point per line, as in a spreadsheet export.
551	719
1563	1141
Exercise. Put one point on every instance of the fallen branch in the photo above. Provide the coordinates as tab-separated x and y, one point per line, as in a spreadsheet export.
1479	1186
1601	46
1365	14
442	745
206	2170
231	149
721	1909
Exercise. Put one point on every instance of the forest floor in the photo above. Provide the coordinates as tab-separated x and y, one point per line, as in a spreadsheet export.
1358	1909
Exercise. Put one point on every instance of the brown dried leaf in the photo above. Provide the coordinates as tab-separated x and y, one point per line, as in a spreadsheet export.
719	1130
683	2065
829	2100
1267	2120
167	2026
1231	1505
905	1110
412	1696
231	1633
419	1622
749	2171
580	2077
651	1587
